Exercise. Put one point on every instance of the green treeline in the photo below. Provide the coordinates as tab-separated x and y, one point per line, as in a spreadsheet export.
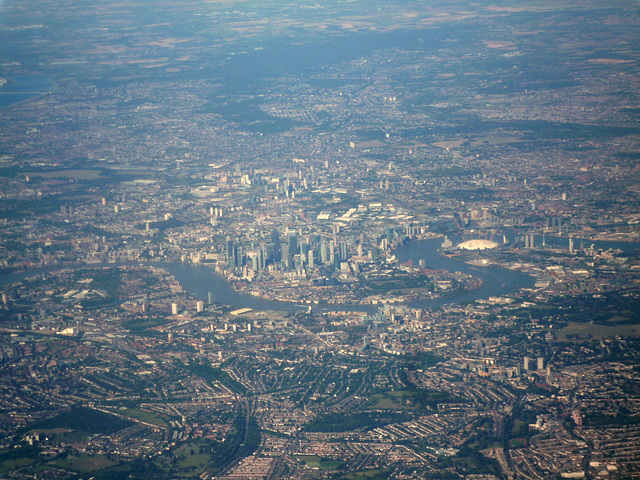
243	439
139	469
24	451
601	420
345	422
85	420
215	374
428	399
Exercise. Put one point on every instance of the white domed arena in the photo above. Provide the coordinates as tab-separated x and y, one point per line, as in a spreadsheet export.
477	244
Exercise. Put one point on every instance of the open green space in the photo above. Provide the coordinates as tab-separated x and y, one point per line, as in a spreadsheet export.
517	443
85	420
65	435
73	174
143	416
85	463
215	374
314	461
475	463
379	474
242	440
55	347
199	460
191	456
345	422
400	400
52	431
18	454
585	331
397	281
410	400
14	463
138	469
602	420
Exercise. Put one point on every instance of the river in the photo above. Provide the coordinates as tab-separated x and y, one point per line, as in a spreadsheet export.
495	281
199	280
24	88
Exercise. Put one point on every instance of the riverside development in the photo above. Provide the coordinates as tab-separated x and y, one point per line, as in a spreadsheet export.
346	240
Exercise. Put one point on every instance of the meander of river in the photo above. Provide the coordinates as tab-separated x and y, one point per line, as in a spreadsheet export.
200	280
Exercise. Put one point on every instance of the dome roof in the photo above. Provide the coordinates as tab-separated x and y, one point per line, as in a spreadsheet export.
477	244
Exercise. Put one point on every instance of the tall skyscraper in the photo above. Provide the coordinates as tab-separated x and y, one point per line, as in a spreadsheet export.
343	251
293	242
270	253
332	252
275	240
230	249
323	250
286	258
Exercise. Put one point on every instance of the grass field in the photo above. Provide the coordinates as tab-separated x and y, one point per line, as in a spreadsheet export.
52	431
517	443
84	420
85	463
143	416
391	401
198	460
63	435
188	456
11	465
314	461
583	331
367	475
75	174
55	348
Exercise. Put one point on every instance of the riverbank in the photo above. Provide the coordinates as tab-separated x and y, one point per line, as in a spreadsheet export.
204	283
17	90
